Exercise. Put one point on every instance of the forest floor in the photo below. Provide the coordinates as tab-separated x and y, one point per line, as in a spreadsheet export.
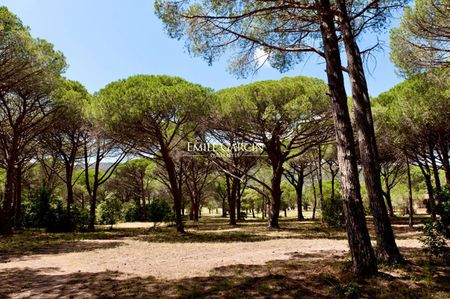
213	260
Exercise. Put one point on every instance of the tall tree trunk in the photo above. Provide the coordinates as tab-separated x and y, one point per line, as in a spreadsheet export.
437	180
93	195
69	195
389	202
299	193
18	198
6	225
443	148
427	177
275	199
175	188
410	197
363	258
319	177
315	196
238	201
333	192
387	195
224	211
387	249
232	200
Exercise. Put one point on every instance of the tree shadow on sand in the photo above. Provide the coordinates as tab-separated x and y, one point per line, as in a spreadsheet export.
66	247
319	275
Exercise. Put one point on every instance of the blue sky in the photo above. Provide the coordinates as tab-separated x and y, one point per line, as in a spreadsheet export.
107	40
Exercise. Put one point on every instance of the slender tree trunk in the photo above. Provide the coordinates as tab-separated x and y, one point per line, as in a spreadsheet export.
319	177
18	198
363	258
443	147
333	192
427	177
275	200
410	197
232	201
389	202
238	201
6	225
69	194
196	211
93	194
224	211
430	196
387	249
437	180
315	196
299	193
175	188
387	194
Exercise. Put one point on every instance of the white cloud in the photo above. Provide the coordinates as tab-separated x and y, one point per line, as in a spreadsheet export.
260	57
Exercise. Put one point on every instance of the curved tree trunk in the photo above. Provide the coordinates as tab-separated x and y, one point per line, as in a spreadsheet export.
363	258
437	180
389	202
175	188
444	149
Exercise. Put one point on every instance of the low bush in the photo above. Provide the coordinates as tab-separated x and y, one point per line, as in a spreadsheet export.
332	211
433	240
110	211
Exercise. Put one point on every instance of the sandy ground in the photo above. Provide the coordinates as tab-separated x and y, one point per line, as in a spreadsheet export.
133	258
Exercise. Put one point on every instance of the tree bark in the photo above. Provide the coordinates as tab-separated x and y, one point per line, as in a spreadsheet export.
69	194
175	189
232	200
437	180
364	263
427	177
6	225
319	178
443	148
275	200
410	197
299	192
238	201
18	197
315	196
387	249
333	192
224	211
387	195
389	202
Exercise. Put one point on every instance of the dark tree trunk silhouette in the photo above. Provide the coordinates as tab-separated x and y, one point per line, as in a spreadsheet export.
387	249
363	258
410	197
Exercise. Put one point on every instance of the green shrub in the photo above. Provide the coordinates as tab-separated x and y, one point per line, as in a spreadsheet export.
159	211
443	210
332	211
42	210
131	212
110	211
434	241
